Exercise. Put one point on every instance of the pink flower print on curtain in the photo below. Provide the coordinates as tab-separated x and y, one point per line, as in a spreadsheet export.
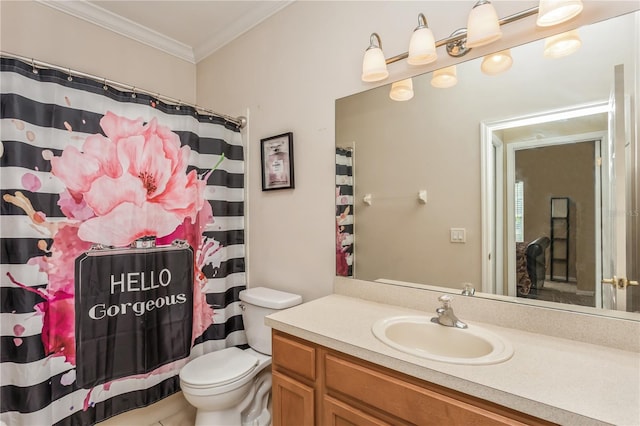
134	180
83	169
129	184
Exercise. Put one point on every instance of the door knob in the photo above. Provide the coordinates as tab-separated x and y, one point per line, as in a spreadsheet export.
619	282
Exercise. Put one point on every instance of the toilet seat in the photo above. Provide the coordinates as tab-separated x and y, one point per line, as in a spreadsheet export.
219	368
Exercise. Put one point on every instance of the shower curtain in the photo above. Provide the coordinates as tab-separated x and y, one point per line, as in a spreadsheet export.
122	245
344	212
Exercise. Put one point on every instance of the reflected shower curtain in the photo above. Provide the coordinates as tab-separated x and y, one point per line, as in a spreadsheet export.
122	245
344	212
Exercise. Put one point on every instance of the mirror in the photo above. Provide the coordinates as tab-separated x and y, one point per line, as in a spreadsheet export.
427	189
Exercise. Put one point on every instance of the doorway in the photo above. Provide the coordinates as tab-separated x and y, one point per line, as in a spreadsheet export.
535	151
556	218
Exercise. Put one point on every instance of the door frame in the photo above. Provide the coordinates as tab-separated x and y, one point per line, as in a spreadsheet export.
599	138
493	192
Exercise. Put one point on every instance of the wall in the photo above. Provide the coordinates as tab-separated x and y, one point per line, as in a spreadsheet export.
36	31
285	75
404	147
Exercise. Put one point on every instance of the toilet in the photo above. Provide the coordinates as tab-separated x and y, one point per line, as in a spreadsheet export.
232	386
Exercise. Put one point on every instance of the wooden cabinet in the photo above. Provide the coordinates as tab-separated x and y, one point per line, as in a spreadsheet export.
293	402
314	385
338	413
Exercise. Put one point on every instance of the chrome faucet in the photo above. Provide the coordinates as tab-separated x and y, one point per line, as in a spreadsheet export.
468	290
445	313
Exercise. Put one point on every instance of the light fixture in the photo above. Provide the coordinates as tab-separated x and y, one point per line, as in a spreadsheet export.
562	44
422	47
374	67
496	62
402	90
482	25
444	77
553	12
457	43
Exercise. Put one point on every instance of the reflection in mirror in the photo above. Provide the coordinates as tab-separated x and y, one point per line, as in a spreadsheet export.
459	185
552	184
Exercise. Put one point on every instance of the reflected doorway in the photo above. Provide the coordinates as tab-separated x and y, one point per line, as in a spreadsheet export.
527	162
556	199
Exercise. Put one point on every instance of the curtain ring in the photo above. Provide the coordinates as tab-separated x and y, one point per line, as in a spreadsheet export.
70	78
105	87
133	95
178	106
33	66
154	100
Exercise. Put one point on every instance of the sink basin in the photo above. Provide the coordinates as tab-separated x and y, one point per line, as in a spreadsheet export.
418	336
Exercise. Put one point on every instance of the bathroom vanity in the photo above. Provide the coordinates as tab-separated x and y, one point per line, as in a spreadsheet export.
313	384
330	369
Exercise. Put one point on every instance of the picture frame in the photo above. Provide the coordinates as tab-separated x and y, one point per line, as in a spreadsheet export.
276	153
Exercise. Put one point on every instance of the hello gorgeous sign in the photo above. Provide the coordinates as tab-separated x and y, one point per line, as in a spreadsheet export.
134	310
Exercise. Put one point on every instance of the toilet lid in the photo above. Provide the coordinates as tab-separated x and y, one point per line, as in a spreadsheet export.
218	368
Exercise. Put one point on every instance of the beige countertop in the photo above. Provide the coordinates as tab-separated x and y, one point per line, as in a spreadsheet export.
561	380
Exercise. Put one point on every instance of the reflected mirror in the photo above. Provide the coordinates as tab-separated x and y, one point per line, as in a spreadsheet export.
521	183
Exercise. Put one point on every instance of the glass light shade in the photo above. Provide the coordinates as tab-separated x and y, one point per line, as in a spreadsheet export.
563	44
482	25
497	62
445	77
422	47
402	90
553	12
374	67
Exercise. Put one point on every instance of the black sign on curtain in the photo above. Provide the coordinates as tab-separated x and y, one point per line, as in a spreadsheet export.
134	311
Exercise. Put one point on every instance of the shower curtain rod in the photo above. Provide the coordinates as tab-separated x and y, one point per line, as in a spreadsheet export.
238	121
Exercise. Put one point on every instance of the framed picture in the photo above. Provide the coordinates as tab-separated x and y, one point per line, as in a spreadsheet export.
277	162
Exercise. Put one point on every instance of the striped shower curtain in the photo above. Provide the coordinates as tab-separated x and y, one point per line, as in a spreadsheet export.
122	245
344	212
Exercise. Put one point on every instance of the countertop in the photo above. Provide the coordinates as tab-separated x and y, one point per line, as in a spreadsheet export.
560	380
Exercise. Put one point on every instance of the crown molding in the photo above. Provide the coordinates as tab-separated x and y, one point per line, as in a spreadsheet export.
123	26
240	26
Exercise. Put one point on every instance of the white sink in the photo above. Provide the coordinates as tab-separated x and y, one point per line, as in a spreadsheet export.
418	336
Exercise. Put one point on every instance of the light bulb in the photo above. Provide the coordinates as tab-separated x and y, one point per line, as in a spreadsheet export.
553	12
402	90
445	77
482	26
563	44
496	63
374	67
422	47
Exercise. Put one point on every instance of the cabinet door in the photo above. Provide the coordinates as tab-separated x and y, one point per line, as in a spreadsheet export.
337	413
294	357
293	402
408	402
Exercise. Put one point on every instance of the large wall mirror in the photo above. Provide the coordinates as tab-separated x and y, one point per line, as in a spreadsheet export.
523	184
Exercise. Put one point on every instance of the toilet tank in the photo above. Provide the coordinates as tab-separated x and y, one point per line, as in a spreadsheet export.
257	303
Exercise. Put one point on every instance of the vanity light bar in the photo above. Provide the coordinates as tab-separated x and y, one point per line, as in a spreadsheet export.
461	34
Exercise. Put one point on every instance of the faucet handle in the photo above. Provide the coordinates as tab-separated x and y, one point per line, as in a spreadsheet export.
468	289
446	300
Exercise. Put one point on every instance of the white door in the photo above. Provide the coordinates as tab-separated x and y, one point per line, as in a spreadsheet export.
617	203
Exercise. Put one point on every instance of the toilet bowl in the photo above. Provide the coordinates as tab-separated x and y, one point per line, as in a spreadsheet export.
232	386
